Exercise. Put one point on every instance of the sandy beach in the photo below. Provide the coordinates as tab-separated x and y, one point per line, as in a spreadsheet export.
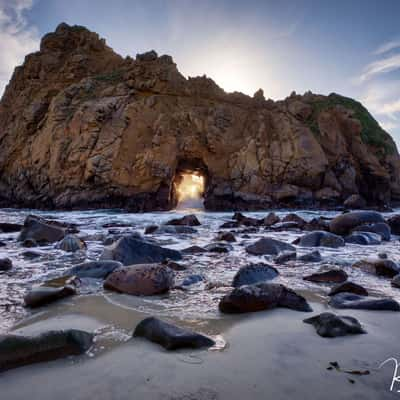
270	354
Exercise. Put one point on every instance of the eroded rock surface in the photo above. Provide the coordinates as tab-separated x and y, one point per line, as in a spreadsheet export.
82	126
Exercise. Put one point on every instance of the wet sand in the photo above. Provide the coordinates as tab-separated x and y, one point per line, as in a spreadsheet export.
268	355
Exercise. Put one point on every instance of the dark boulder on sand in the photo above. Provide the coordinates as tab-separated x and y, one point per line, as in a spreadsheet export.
171	337
321	238
334	275
141	280
95	269
344	223
5	264
356	302
262	296
41	231
269	246
42	295
254	273
330	325
16	350
130	250
349	287
187	220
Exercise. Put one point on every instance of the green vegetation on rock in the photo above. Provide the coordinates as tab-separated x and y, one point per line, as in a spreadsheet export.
371	133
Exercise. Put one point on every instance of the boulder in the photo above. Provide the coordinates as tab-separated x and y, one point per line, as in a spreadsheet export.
194	250
150	229
94	269
355	201
268	246
229	225
396	281
72	243
334	275
330	325
42	295
7	227
130	250
5	264
343	224
285	256
31	255
379	228
394	223
246	221
379	266
295	218
262	296
321	238
317	224
226	237
141	280
348	287
173	230
17	351
254	273
188	220
270	219
313	256
218	248
169	336
41	231
363	238
357	302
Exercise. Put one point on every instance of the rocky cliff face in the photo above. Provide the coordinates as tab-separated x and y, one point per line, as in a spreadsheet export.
82	127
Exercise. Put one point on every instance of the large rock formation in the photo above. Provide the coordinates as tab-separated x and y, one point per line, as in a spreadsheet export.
82	127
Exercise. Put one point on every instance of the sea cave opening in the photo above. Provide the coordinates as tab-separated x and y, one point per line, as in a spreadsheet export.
190	185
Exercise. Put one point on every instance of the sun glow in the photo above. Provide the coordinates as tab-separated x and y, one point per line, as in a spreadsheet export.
190	187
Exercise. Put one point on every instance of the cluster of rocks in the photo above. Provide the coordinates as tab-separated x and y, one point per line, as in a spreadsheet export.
137	266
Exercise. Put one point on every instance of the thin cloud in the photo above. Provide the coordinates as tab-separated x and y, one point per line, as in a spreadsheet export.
379	67
386	47
17	38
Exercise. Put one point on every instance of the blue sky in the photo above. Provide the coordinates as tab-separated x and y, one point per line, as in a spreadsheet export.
350	47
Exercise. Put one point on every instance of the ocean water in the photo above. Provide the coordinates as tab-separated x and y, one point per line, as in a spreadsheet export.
200	301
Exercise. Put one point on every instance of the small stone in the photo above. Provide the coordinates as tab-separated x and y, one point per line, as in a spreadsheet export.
5	264
354	301
188	220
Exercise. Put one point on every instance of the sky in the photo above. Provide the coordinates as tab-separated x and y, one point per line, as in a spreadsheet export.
351	47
